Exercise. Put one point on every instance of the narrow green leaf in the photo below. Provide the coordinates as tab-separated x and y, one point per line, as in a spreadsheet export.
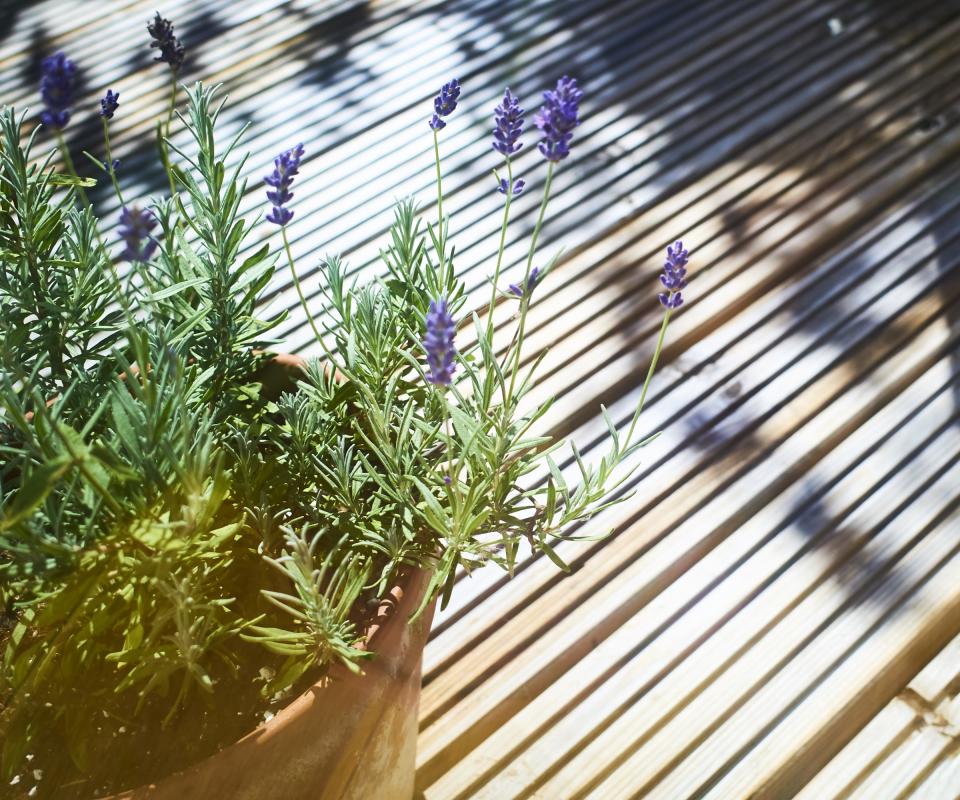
34	490
71	180
552	555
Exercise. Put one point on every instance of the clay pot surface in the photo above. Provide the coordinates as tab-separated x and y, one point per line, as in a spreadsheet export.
348	737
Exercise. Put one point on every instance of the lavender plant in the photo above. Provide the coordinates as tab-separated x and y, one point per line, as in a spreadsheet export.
171	526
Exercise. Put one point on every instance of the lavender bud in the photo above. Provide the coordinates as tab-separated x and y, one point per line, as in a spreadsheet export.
438	343
509	125
504	186
515	288
444	104
559	115
171	50
673	276
286	166
109	104
56	90
135	226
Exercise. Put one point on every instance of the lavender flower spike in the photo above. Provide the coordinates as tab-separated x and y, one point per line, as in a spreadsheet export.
438	343
109	104
674	276
445	103
56	90
171	50
509	125
135	226
530	286
286	166
559	115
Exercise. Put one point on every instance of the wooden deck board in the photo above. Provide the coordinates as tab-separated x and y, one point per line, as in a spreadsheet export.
905	750
766	617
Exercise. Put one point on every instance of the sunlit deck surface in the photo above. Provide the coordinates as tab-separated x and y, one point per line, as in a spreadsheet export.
777	610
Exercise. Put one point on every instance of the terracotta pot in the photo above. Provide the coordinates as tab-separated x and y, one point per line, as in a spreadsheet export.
348	737
280	373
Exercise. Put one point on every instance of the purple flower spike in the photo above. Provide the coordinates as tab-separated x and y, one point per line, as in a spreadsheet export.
285	167
504	186
56	90
438	343
674	276
135	226
559	115
531	284
509	125
171	51
444	104
109	104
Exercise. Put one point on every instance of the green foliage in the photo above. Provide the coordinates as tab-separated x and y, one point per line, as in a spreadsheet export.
327	585
122	535
163	512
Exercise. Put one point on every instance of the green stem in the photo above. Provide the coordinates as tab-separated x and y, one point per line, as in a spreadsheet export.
164	151
117	285
65	152
173	100
122	298
502	427
110	169
55	340
296	283
56	343
440	236
85	470
500	249
525	301
650	371
35	282
449	435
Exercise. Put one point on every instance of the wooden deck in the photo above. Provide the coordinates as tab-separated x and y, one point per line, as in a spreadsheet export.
777	611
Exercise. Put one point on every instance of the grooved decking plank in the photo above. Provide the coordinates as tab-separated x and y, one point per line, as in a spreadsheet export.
908	748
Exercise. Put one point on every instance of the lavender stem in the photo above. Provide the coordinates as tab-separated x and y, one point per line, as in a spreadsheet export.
71	170
110	168
525	300
296	283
